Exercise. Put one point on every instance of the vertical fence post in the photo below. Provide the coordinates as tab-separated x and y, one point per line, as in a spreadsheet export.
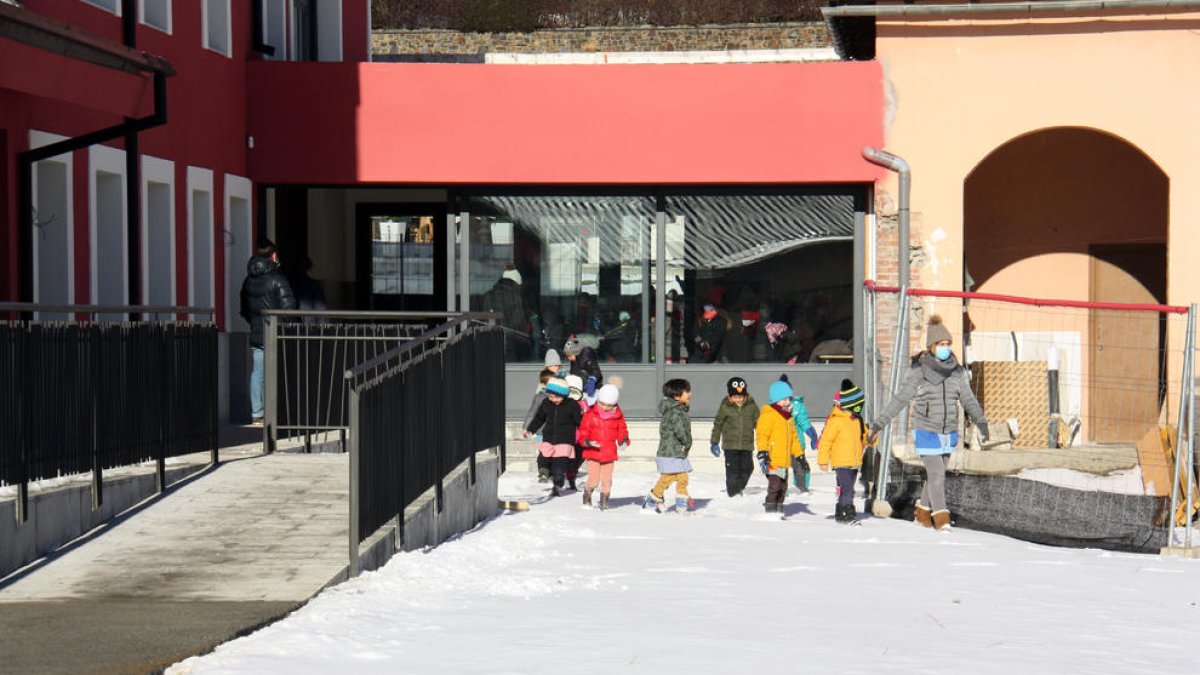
94	347
899	347
24	422
1188	435
357	431
270	384
1181	422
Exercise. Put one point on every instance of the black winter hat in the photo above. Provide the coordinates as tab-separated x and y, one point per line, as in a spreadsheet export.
736	386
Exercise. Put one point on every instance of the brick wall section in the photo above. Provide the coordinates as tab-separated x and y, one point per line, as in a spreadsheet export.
800	35
888	274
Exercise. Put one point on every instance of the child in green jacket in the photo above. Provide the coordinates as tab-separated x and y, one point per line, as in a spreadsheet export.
674	443
733	430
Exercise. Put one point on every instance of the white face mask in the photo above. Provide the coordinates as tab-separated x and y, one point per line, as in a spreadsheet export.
747	322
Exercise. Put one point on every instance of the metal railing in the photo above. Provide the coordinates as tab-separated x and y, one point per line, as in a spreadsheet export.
85	396
416	412
306	353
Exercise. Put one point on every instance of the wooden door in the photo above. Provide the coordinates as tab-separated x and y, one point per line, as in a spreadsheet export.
1126	348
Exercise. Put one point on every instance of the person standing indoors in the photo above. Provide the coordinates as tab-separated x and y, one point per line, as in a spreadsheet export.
264	288
936	384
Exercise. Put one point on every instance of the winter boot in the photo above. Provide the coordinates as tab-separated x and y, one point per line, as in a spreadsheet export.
603	501
543	475
655	503
771	507
941	520
843	514
556	491
571	484
587	498
923	516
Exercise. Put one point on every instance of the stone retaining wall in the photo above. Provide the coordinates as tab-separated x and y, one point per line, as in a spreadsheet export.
801	35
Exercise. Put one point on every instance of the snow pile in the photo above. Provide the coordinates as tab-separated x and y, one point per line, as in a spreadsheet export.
727	589
1125	482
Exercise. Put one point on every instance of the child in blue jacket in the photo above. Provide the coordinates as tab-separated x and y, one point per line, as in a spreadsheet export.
801	472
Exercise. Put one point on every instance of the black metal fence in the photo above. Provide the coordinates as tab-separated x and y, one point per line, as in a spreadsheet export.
78	397
418	411
307	353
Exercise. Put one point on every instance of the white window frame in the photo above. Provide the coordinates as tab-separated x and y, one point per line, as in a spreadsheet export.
38	139
156	170
204	20
108	160
168	29
200	180
102	5
236	187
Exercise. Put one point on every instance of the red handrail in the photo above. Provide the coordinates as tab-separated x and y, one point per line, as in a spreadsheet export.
1037	302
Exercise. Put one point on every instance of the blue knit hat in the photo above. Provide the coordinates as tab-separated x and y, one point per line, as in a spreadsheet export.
558	386
778	391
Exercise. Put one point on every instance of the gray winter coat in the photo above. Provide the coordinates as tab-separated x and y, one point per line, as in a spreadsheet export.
934	388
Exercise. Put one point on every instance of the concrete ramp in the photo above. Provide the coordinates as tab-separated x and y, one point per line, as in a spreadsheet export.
227	551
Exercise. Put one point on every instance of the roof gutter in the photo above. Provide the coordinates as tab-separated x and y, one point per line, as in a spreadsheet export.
977	9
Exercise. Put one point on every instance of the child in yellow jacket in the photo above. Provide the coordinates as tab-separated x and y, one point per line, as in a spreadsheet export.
777	442
841	446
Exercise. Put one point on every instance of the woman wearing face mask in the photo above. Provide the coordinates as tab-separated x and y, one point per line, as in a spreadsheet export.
936	385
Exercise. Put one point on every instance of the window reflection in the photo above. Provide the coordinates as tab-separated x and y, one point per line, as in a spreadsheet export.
749	278
760	278
565	265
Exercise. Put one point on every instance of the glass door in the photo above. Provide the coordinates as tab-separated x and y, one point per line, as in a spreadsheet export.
401	257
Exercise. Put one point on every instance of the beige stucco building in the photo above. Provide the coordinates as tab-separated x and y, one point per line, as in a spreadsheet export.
1054	154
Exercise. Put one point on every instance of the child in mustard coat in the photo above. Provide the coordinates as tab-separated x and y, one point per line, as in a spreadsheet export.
777	442
841	446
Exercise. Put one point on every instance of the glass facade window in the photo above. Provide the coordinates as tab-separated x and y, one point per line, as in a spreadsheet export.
557	266
748	278
760	278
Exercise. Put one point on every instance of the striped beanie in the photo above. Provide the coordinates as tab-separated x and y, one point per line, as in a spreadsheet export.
558	386
851	397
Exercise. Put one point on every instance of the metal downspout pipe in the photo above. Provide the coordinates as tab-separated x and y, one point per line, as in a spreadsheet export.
893	163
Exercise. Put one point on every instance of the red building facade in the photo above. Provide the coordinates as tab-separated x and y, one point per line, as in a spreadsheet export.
723	167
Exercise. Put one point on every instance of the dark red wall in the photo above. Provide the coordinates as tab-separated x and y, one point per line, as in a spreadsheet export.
206	108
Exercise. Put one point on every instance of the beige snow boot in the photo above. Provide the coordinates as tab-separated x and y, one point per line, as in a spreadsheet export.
587	497
941	520
924	517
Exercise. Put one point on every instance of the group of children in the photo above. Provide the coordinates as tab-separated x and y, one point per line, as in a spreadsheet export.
573	424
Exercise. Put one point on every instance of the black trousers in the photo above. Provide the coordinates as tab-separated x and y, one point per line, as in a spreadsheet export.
846	477
776	489
543	463
558	470
739	466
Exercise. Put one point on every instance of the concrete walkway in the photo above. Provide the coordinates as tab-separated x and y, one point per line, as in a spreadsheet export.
220	554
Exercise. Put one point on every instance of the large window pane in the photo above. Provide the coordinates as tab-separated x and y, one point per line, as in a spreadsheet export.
760	278
562	265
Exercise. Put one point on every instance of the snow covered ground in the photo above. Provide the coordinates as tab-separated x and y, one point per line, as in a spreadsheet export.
729	590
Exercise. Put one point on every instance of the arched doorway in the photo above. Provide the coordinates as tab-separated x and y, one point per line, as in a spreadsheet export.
1079	214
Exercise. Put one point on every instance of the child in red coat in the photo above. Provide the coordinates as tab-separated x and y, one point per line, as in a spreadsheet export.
601	431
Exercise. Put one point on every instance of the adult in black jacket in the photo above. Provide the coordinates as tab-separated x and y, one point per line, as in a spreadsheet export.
265	288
